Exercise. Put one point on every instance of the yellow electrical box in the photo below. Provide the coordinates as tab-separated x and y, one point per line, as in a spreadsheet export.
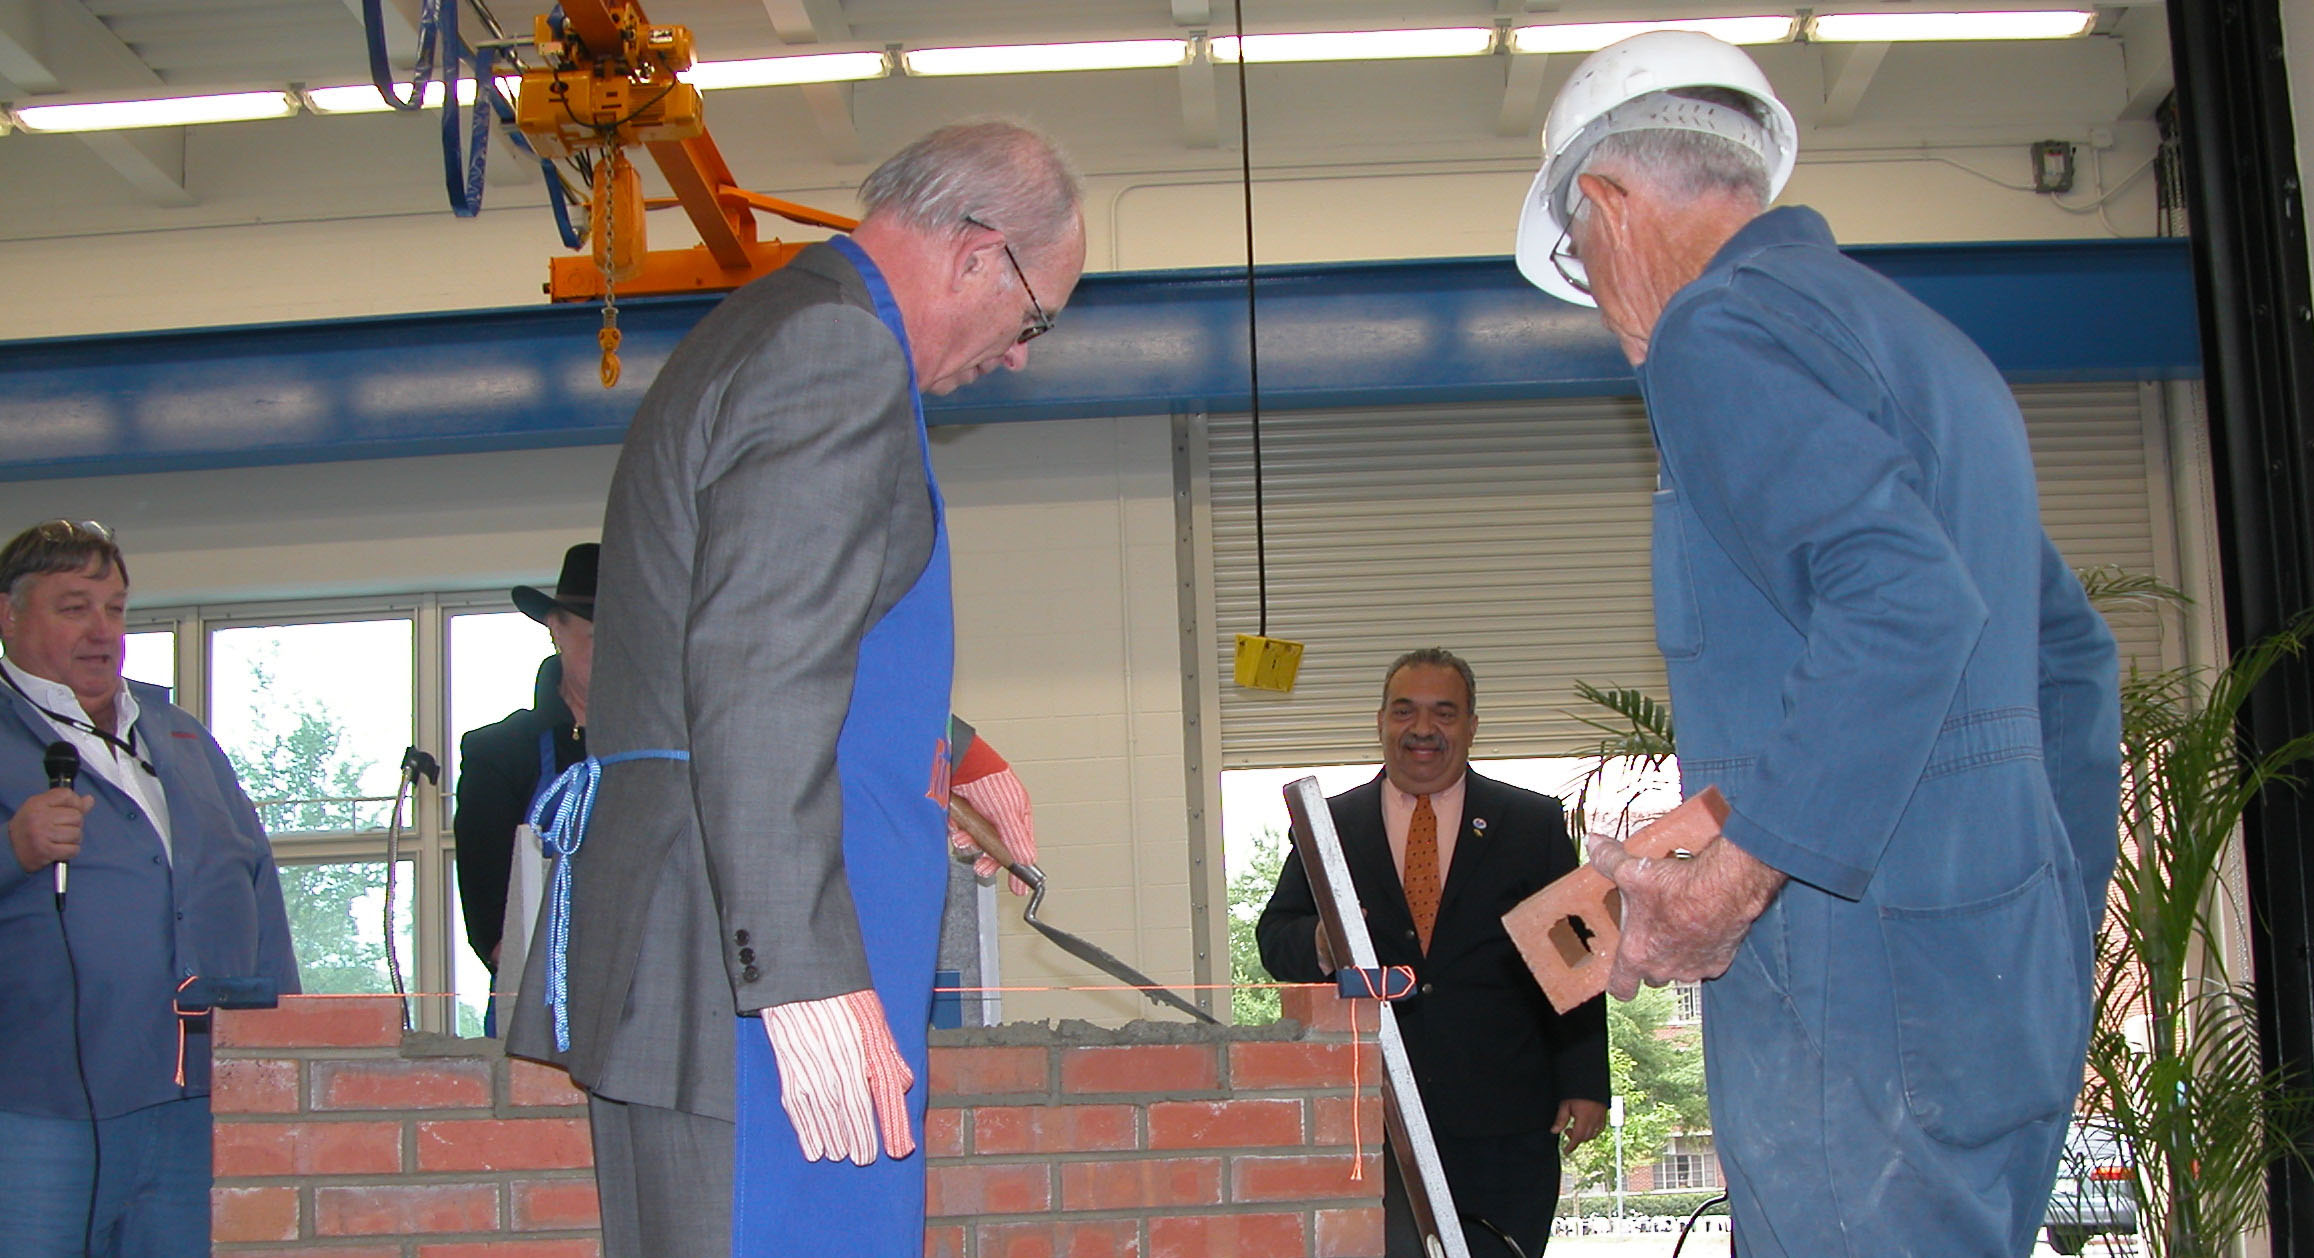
561	112
1267	663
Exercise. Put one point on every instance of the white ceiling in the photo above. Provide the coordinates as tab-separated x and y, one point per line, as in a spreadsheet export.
1121	126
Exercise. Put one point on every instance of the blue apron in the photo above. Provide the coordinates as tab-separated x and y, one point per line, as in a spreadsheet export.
891	758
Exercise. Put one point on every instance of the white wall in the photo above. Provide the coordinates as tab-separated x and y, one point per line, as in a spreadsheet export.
314	217
262	272
1068	652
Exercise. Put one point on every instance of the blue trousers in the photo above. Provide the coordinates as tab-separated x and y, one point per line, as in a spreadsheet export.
151	1185
1875	1095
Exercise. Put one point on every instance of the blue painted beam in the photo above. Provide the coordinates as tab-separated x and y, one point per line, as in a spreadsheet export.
1355	334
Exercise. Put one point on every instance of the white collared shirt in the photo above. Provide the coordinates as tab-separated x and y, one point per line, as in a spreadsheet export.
95	752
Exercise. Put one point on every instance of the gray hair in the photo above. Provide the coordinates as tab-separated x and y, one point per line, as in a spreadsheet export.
1690	165
53	546
994	171
1437	657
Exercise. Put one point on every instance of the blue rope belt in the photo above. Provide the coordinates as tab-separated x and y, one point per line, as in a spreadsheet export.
560	817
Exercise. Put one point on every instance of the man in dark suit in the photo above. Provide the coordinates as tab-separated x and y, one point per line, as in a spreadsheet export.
505	766
753	917
1438	854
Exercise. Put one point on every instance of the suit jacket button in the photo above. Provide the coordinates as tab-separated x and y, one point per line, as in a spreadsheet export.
740	938
1410	932
1426	989
750	974
747	956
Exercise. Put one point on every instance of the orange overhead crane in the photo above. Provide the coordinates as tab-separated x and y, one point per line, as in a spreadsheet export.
608	83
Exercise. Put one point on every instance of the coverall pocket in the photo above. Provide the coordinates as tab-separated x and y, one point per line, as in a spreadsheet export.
1678	620
1989	1015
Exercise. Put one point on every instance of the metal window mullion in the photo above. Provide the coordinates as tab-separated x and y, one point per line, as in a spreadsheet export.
430	905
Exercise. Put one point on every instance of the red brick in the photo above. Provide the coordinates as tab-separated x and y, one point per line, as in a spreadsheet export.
944	1242
348	1148
253	1085
238	1149
1304	1177
529	1083
1330	1120
1225	1124
1236	1235
944	1133
1140	1183
1302	1064
308	1148
547	1204
1054	1129
1141	1068
405	1210
1355	1233
335	1251
504	1144
253	1214
1320	1007
1117	1238
984	1071
341	1085
979	1188
314	1022
511	1249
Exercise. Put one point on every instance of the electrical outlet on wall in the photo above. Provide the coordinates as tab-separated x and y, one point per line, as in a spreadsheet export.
2053	166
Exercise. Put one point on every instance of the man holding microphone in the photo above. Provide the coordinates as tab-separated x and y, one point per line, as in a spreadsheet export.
104	1085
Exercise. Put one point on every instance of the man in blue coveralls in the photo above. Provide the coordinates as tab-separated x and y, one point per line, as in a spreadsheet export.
753	919
1875	653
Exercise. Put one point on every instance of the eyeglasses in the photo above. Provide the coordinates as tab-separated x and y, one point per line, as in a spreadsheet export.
1039	321
72	531
1564	252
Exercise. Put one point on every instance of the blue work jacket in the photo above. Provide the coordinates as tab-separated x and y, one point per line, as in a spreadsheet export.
1874	649
141	921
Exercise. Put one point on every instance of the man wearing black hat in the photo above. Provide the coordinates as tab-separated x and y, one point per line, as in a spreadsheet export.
503	767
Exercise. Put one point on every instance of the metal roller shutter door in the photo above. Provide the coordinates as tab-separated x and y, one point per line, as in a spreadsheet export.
1516	534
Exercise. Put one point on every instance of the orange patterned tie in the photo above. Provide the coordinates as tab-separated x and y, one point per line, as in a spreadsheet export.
1422	869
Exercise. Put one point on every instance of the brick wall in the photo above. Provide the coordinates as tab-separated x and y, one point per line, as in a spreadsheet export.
340	1137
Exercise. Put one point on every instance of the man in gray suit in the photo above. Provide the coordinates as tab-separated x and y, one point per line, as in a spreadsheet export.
755	911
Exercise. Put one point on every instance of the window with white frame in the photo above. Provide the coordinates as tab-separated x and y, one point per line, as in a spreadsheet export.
316	704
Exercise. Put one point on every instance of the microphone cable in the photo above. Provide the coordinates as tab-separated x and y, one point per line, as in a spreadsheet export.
80	1068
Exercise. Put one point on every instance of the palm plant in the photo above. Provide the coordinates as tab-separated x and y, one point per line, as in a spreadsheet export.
1636	732
2174	1063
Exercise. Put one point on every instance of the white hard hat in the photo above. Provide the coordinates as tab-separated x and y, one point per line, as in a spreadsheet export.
1604	97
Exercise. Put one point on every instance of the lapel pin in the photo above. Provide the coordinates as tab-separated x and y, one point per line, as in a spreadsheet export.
1478	824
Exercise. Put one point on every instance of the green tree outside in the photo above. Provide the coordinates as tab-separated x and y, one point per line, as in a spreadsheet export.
1657	1068
1249	890
293	768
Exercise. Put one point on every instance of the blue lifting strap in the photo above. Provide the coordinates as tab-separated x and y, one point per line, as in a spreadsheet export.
560	817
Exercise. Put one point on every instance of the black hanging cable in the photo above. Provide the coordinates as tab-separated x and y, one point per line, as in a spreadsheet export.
80	1068
1252	327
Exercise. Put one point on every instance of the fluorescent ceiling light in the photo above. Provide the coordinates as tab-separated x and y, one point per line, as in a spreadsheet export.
1455	41
1592	36
170	111
1873	28
1122	54
361	98
817	67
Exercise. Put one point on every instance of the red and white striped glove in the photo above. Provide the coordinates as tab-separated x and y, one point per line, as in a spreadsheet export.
841	1078
987	783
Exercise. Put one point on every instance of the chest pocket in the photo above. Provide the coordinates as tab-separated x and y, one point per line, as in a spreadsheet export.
1678	620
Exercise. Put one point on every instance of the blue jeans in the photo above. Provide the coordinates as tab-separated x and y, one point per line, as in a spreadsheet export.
151	1189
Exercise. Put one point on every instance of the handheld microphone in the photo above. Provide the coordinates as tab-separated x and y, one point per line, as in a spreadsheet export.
63	765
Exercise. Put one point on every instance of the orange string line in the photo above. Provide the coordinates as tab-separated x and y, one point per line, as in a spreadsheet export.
1075	987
